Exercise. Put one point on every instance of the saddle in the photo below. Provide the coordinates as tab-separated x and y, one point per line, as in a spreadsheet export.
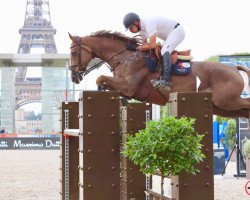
181	55
180	60
175	55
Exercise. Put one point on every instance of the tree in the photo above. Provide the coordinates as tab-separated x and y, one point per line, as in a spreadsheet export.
165	110
246	149
230	132
169	146
221	120
213	59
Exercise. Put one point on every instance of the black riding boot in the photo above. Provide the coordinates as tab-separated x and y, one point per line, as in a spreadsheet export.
165	77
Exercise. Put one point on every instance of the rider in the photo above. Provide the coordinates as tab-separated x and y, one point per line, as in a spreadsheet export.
170	31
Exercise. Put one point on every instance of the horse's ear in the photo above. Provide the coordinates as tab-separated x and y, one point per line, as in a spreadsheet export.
71	37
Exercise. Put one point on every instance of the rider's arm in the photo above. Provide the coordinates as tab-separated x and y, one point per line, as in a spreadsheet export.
151	45
144	41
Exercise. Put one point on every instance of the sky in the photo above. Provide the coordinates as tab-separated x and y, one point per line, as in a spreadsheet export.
212	27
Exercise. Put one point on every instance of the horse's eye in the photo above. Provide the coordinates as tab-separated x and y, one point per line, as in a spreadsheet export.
73	53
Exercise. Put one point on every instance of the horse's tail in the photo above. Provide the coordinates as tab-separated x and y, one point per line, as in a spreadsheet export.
246	70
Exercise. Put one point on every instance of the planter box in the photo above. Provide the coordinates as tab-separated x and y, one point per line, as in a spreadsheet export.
248	168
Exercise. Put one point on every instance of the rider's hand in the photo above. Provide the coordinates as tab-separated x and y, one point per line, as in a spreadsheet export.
131	47
144	47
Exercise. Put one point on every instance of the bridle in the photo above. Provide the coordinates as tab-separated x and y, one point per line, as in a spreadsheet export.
81	46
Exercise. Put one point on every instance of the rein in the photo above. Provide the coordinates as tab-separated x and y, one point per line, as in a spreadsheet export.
97	65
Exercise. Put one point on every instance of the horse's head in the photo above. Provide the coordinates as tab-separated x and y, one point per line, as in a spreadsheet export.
80	56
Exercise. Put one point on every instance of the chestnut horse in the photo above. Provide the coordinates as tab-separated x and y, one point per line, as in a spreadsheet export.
132	78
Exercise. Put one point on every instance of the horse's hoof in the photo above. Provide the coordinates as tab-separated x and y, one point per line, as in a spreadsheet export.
124	101
156	85
101	88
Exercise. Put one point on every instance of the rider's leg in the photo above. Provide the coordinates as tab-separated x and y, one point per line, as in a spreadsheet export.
166	67
173	40
165	76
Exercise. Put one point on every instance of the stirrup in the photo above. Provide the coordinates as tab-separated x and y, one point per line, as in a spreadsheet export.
161	83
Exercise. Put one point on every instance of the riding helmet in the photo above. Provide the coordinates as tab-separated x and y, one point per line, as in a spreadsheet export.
129	19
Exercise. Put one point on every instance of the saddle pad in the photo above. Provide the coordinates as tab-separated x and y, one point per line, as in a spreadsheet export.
181	67
151	63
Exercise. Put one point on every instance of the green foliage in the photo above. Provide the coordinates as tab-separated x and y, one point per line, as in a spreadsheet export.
169	145
241	54
246	149
213	59
229	141
221	120
216	58
165	110
230	132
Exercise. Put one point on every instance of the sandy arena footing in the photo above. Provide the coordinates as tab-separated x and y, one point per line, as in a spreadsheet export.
34	175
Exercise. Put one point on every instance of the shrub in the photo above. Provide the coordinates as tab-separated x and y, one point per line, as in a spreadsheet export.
169	146
246	149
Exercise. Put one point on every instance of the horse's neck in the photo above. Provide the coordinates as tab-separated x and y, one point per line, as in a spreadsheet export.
104	48
111	51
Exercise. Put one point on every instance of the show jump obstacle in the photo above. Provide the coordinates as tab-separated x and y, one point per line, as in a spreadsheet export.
92	167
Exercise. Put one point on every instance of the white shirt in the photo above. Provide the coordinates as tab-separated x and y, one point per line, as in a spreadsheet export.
160	26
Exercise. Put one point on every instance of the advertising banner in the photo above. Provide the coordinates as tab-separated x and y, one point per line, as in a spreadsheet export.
26	143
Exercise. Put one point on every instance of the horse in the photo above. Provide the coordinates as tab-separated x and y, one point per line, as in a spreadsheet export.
132	78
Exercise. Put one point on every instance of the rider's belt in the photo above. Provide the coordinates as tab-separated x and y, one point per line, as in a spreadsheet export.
176	25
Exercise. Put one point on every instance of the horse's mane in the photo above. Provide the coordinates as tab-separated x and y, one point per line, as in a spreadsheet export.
116	35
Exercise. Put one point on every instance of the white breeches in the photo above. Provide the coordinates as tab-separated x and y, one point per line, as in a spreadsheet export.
173	40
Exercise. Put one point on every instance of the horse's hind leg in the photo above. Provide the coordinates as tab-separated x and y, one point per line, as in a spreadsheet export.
233	103
244	102
244	112
227	95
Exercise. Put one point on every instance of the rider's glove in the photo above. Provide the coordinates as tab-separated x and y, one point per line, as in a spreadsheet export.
131	47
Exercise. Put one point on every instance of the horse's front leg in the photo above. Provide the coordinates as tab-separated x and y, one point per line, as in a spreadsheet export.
118	84
103	85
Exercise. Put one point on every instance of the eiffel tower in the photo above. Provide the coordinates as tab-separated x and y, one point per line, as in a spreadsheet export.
37	31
